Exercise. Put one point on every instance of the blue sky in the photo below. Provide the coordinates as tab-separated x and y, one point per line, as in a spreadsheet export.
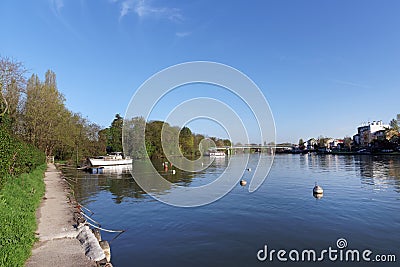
324	66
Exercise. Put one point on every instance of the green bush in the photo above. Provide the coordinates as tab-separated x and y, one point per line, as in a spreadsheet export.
16	157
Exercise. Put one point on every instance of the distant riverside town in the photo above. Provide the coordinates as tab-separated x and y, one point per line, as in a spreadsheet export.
372	138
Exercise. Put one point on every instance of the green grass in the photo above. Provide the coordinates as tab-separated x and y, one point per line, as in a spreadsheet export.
19	199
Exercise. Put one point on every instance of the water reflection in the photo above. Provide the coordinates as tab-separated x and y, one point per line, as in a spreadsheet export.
119	182
377	173
373	170
322	162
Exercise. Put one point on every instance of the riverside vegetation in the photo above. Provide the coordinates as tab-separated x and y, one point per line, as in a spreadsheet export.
34	122
38	116
33	119
21	189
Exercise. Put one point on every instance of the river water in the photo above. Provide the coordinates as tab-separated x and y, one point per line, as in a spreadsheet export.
361	204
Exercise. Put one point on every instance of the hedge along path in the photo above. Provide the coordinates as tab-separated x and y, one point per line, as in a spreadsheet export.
57	244
16	157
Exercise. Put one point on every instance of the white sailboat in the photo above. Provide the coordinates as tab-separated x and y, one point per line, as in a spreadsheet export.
113	159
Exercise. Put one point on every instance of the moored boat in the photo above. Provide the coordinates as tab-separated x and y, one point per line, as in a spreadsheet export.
215	154
113	159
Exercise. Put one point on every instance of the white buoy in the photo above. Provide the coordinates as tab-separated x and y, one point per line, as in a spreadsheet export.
173	171
243	182
317	189
318	196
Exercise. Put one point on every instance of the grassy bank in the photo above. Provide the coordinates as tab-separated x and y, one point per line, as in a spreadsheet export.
19	199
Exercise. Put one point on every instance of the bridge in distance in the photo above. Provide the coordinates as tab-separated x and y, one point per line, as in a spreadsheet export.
256	147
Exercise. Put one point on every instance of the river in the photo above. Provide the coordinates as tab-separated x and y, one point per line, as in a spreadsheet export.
361	205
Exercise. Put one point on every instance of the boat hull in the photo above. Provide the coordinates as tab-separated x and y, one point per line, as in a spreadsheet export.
103	162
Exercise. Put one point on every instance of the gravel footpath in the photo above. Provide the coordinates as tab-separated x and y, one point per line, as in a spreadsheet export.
57	245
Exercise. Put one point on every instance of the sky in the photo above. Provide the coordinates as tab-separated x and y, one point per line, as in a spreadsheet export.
324	67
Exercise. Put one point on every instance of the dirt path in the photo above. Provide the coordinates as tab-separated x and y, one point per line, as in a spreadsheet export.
57	244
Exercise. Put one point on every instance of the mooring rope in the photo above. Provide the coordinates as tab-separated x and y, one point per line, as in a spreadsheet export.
90	219
106	230
68	183
81	206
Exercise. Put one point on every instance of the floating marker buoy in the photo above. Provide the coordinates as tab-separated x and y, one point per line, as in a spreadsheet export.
173	171
243	182
317	189
318	196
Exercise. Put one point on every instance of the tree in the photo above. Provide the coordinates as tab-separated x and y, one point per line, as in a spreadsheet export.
186	141
322	141
348	142
301	143
12	84
35	111
392	132
44	113
394	125
134	138
227	142
115	134
153	138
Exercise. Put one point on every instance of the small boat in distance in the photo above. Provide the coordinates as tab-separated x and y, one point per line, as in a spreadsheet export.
112	159
215	154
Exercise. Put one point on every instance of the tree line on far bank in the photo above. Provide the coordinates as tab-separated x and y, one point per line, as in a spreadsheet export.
157	139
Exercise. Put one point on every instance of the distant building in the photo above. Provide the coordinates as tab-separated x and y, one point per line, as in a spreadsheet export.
335	143
311	143
367	133
356	139
379	135
328	142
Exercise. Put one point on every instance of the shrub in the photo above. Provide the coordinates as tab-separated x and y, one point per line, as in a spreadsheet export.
16	157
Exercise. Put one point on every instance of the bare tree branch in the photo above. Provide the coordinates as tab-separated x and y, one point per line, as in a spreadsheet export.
12	83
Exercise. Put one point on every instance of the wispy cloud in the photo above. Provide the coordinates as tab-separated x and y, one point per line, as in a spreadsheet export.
126	7
145	9
349	83
56	6
182	34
